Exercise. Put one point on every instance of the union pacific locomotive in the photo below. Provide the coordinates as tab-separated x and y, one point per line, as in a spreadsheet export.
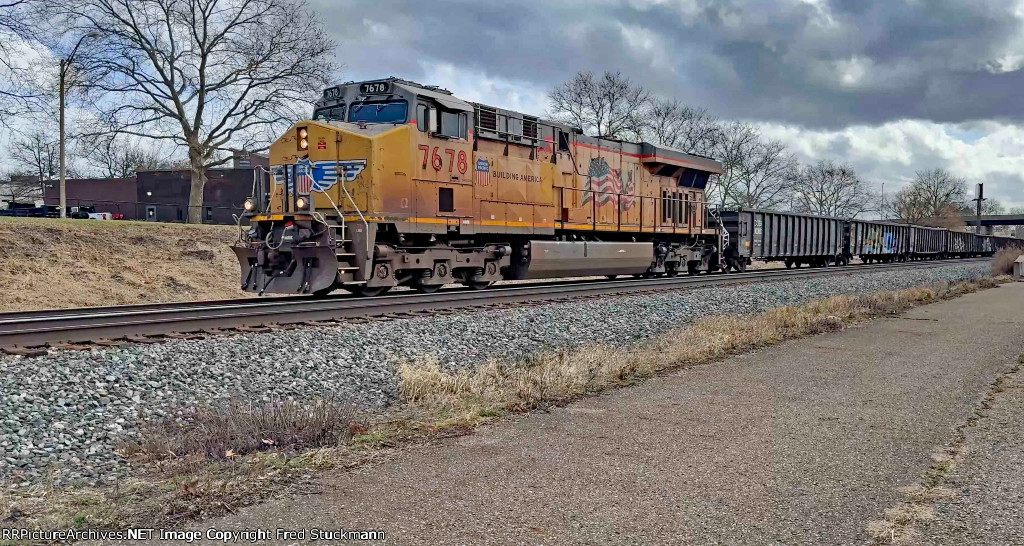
395	183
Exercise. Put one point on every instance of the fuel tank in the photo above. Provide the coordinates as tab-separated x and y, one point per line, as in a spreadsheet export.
550	259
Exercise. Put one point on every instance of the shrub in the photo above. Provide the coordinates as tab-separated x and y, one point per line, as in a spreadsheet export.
1002	263
238	427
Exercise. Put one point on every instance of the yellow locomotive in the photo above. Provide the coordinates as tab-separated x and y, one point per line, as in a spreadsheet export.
394	183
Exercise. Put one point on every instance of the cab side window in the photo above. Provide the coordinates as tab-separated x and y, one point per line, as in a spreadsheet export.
453	124
421	117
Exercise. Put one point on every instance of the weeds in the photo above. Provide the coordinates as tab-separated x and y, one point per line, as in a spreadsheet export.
1002	263
239	427
467	397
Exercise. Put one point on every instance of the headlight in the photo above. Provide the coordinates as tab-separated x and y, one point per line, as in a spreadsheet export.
249	205
302	138
300	203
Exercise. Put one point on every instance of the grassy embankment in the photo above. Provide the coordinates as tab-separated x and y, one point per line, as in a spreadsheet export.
223	458
50	263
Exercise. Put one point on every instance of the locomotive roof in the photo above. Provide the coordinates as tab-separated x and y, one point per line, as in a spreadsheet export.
648	152
441	95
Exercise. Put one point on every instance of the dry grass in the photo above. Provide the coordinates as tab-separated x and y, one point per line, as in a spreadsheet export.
206	462
51	263
465	398
238	427
1002	263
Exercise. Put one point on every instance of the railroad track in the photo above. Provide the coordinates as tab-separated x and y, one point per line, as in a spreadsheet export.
31	332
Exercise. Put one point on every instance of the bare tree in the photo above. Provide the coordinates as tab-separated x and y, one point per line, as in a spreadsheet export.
36	153
1015	210
16	91
992	206
608	105
828	189
209	75
116	157
756	173
671	123
935	197
19	187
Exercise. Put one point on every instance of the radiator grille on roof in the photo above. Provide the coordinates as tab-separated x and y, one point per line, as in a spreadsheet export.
488	119
529	127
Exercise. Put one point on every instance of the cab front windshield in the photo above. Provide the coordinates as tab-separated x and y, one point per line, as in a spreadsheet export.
379	112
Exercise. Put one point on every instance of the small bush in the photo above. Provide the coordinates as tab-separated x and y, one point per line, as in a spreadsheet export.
1002	263
238	427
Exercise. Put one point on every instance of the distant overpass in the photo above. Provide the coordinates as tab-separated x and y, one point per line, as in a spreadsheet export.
995	220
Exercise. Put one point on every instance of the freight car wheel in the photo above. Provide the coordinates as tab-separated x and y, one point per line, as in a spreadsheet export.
612	277
789	264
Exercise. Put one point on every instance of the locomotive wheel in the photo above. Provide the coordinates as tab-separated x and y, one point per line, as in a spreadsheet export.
365	292
428	288
324	291
479	285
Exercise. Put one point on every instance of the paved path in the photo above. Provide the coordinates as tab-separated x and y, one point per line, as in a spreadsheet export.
804	443
988	481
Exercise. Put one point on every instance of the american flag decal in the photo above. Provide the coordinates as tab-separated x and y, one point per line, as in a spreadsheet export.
321	176
607	184
483	172
303	177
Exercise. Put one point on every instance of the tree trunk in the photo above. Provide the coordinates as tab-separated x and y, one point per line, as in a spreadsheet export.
197	168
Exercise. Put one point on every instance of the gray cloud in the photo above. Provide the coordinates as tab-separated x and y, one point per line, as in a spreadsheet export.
816	64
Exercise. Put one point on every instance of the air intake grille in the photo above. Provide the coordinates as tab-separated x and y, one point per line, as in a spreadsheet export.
488	119
529	127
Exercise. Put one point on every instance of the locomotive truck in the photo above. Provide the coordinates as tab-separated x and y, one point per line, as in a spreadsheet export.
393	183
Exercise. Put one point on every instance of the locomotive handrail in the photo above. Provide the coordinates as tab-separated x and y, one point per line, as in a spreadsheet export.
688	221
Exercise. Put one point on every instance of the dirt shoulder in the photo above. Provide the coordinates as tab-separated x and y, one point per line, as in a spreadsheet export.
49	263
804	443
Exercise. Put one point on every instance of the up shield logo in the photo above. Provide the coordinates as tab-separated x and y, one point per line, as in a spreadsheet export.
323	175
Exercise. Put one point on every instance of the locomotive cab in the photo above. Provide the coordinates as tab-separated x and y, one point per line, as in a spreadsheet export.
373	152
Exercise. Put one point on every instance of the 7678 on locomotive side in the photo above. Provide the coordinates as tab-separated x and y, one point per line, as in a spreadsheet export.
395	183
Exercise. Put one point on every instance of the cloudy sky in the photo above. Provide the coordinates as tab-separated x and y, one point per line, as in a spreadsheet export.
890	86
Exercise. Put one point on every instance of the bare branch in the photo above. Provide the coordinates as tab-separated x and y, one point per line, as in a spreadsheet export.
212	73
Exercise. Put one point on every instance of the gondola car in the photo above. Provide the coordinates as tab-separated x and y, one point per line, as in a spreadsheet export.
794	239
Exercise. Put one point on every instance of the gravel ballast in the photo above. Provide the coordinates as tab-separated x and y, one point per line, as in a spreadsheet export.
66	410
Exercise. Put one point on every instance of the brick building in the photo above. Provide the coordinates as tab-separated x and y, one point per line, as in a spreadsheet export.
159	196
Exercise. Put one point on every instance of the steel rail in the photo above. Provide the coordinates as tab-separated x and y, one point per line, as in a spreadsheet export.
38	328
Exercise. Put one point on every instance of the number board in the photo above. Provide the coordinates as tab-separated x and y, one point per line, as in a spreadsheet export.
332	93
375	88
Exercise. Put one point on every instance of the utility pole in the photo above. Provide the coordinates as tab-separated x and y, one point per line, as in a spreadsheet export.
979	191
63	171
65	64
881	213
